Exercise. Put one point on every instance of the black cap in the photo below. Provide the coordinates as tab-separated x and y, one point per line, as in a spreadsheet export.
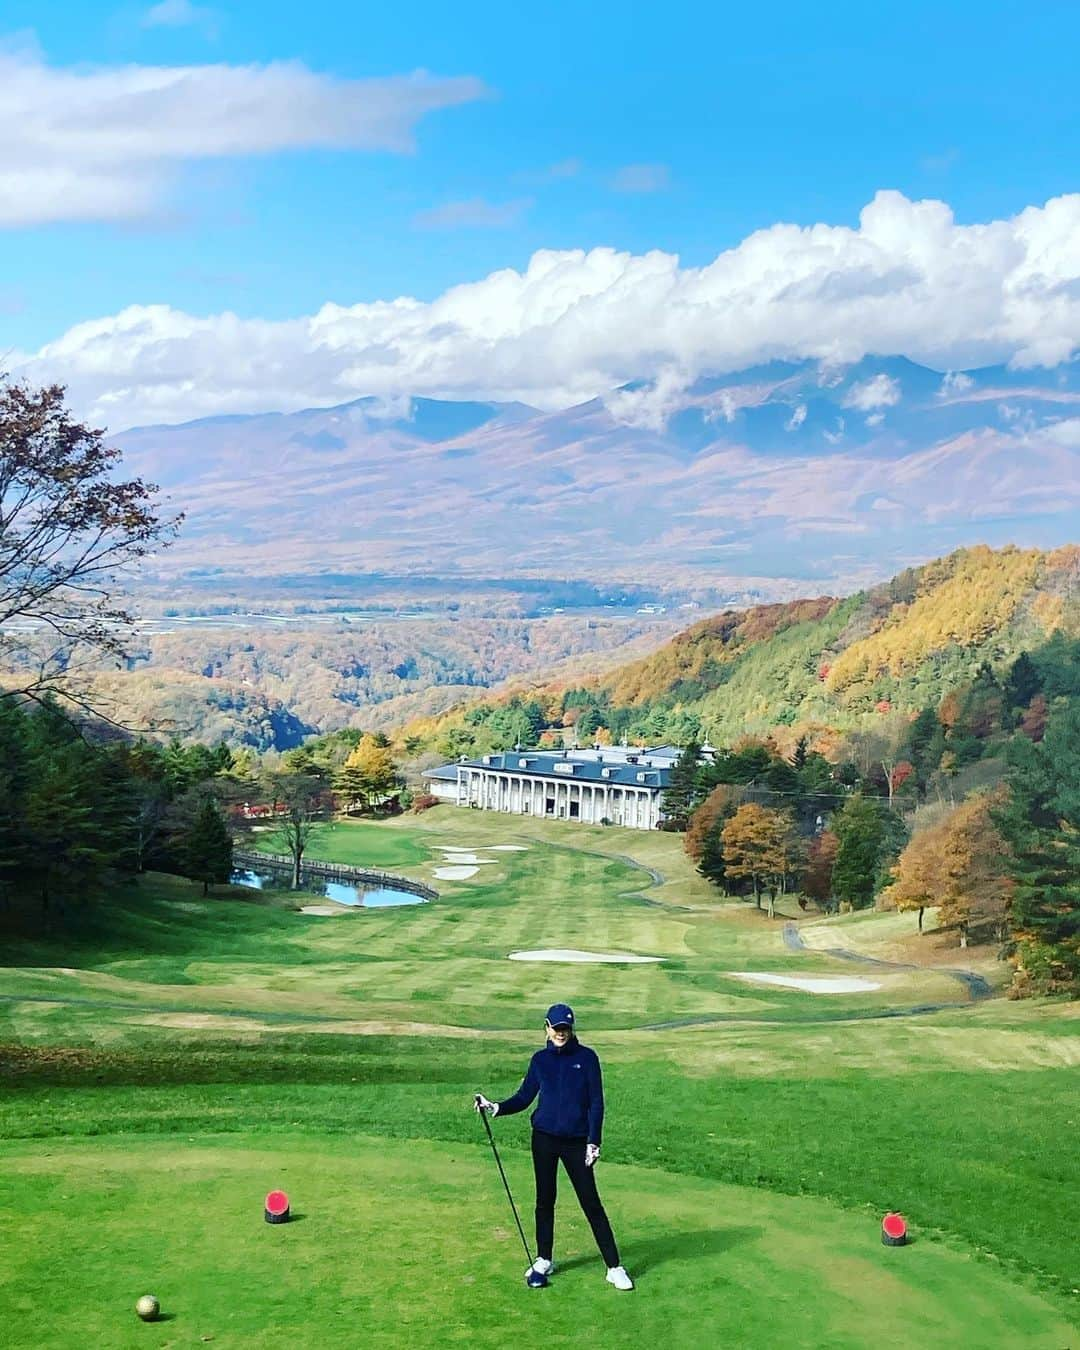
560	1015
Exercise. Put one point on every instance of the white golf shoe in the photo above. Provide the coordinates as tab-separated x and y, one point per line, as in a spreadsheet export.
618	1277
541	1266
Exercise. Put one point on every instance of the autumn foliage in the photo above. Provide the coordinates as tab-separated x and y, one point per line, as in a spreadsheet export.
761	846
959	865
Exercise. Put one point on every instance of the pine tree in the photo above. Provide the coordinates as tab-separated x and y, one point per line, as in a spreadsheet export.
16	770
703	842
681	794
65	859
860	831
206	849
925	745
1023	682
1042	825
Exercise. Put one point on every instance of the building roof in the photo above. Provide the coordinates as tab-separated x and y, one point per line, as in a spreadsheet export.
542	764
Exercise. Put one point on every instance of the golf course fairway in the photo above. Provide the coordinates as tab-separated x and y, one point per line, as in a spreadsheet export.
412	1244
168	1059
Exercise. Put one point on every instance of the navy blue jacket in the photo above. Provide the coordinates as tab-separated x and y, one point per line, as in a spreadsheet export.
571	1092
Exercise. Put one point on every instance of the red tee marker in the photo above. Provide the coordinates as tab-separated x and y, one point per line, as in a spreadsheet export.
893	1230
277	1207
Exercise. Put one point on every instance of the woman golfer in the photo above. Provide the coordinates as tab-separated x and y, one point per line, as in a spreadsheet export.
567	1125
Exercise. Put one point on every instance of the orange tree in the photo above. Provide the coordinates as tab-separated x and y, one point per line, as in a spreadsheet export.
760	844
959	864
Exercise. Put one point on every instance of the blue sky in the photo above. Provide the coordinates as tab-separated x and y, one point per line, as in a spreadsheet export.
681	127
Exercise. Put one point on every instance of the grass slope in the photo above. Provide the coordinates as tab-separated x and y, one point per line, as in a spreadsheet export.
177	1058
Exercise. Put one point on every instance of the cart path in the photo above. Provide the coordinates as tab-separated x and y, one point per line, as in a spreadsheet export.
976	985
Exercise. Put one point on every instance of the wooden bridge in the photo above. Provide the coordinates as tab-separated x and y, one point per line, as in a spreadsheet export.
360	876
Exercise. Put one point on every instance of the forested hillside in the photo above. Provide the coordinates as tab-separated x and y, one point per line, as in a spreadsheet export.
269	688
811	667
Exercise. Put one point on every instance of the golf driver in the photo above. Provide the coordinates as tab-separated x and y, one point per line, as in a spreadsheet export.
533	1278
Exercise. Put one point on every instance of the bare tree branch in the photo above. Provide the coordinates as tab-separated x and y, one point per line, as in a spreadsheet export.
68	532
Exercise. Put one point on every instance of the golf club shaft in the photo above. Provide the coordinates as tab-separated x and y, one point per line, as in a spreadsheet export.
506	1184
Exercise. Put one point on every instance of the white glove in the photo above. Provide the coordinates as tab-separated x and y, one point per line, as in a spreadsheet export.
482	1104
592	1152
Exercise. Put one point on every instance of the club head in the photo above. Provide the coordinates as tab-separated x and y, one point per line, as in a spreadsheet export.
535	1280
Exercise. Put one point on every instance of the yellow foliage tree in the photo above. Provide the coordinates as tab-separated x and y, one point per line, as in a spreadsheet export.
367	775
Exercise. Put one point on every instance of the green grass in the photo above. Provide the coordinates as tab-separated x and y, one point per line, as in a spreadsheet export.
360	843
412	1244
179	1057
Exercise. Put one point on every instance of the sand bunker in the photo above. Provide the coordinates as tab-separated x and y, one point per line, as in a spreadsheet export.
564	954
324	909
455	873
508	848
457	858
812	984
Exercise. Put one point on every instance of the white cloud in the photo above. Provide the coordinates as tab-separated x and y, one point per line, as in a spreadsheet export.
875	419
649	405
108	143
1065	432
471	215
573	325
955	382
181	14
797	418
880	391
724	409
641	178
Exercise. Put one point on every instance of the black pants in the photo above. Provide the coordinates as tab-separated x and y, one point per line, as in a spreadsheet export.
547	1151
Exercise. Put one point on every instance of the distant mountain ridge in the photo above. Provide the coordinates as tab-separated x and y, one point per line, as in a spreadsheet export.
790	470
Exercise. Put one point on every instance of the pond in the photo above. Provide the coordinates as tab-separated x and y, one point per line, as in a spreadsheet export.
344	893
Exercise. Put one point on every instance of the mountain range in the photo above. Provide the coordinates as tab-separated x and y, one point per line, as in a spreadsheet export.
797	471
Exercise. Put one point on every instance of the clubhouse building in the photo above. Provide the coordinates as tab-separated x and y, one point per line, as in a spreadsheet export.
614	785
